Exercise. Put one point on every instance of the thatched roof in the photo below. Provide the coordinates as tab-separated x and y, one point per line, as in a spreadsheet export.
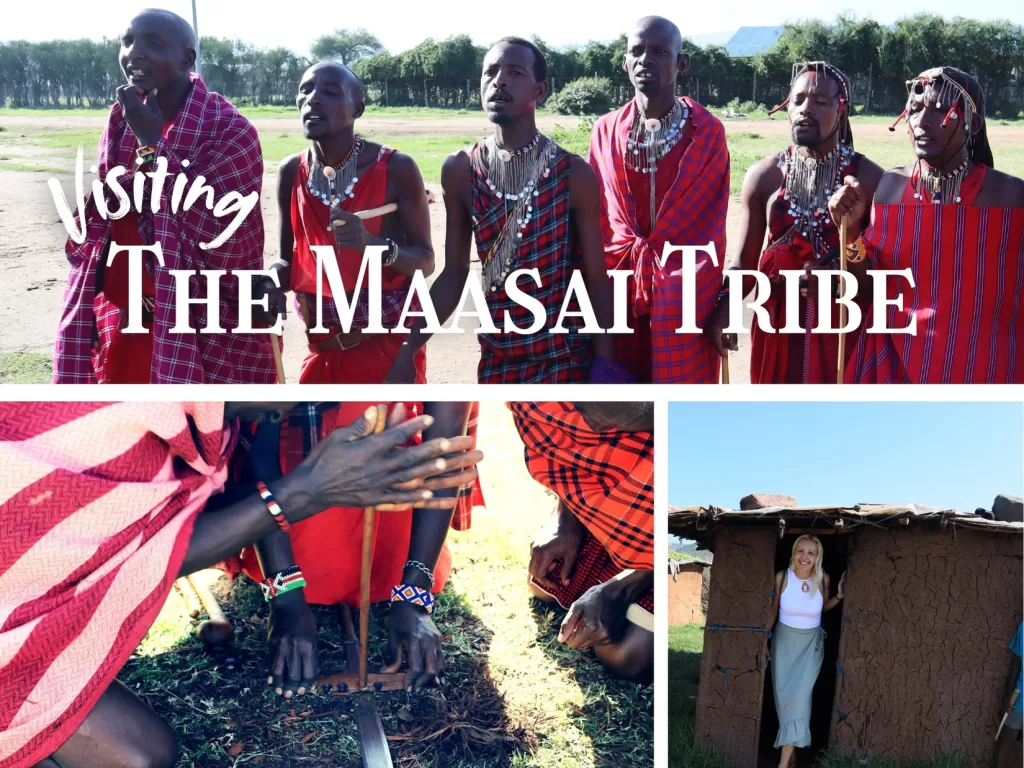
688	522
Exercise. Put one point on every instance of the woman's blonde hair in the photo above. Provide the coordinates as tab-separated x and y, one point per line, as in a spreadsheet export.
817	574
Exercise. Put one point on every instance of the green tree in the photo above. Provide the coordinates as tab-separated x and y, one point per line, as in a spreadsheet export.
346	45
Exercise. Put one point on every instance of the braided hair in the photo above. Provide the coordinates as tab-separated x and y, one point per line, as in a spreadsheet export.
845	102
978	148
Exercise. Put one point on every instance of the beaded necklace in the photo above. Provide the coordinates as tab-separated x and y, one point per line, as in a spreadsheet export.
944	187
324	186
650	140
810	183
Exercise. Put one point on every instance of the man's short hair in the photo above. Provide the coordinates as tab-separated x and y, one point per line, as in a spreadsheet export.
540	63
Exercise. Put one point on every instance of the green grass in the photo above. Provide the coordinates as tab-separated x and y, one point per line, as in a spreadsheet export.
954	759
26	368
745	147
685	645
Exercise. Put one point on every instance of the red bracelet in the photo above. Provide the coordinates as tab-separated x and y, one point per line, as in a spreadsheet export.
272	506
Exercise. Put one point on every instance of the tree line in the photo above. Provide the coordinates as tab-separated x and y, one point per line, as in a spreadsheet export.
445	73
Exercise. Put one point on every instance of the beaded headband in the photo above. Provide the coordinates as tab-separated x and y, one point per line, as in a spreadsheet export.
803	67
949	92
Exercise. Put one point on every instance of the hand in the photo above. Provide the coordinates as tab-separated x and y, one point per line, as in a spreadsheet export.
346	469
839	589
559	539
403	370
349	231
849	200
598	617
808	284
413	636
277	301
715	327
145	120
291	640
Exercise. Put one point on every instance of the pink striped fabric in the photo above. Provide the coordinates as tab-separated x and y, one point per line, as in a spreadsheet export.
98	502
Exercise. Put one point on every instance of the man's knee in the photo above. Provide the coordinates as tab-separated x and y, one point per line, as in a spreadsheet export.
159	750
632	658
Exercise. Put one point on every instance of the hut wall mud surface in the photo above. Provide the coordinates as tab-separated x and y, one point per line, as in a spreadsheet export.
927	622
684	598
732	666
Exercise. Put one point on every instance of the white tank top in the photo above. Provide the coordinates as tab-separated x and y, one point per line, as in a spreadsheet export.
799	609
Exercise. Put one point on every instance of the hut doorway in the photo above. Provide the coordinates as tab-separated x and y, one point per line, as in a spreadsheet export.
835	546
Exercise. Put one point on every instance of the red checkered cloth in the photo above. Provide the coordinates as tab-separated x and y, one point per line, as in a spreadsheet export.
692	213
549	246
605	478
98	504
811	358
223	146
968	265
593	566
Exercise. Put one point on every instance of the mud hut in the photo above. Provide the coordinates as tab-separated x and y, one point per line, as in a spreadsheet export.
916	657
688	583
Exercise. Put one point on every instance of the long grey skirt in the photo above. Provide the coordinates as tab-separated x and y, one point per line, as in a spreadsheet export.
796	662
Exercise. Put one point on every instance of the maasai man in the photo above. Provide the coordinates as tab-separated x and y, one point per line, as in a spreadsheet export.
596	556
165	119
530	205
958	225
788	193
409	549
365	176
110	503
664	172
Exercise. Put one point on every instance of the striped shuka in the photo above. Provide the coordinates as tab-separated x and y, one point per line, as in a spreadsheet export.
224	147
968	265
98	501
605	478
692	213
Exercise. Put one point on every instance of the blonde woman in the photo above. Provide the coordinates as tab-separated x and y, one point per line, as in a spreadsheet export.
798	641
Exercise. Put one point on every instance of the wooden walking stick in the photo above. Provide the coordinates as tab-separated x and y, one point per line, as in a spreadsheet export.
725	368
842	307
275	345
216	630
364	570
1009	709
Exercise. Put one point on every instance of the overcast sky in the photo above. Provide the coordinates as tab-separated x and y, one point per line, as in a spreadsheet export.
401	24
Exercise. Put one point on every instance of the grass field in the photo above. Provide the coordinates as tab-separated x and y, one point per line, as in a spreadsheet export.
513	696
33	149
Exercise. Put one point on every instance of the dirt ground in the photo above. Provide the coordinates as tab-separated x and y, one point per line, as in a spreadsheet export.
32	236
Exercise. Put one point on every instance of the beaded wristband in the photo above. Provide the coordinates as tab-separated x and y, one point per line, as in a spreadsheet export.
287	580
146	154
420	567
407	593
856	252
273	507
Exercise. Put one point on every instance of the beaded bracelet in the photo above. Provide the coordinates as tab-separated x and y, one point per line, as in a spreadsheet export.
407	593
420	567
146	154
856	253
273	507
287	580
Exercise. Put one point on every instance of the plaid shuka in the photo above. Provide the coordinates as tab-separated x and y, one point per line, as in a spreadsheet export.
224	147
692	213
968	265
98	502
605	478
771	354
548	245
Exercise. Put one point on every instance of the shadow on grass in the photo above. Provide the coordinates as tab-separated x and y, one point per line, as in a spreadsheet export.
223	714
617	716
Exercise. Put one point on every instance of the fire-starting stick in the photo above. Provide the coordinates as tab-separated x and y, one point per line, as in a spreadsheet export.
364	572
842	307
